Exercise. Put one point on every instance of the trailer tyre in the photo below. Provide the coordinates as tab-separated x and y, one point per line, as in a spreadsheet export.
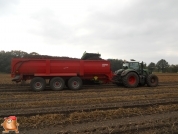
152	80
75	83
131	80
57	83
37	84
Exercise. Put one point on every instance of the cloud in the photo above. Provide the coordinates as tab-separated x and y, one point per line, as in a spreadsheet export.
7	7
143	30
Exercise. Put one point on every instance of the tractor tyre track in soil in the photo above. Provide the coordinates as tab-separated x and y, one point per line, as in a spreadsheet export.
91	88
94	109
130	125
106	106
57	97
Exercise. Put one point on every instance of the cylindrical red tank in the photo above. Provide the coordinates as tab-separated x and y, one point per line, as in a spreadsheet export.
86	69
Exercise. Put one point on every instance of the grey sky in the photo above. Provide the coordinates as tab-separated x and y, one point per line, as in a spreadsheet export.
131	29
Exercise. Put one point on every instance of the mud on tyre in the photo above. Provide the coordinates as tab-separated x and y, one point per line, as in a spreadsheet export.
37	84
75	83
152	80
57	83
131	80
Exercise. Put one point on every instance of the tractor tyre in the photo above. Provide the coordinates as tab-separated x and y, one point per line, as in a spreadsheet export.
75	83
152	80
57	83
131	80
37	84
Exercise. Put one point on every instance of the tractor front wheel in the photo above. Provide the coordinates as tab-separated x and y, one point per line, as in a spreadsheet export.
152	80
131	80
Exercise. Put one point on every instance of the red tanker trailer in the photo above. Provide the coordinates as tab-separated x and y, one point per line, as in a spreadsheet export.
61	72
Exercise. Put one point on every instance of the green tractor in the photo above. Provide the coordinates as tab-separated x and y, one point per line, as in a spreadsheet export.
133	74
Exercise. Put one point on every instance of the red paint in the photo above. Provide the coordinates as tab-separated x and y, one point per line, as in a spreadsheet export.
86	69
132	80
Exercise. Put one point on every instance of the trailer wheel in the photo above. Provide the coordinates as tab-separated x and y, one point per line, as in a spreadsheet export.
75	83
131	80
152	80
37	84
57	83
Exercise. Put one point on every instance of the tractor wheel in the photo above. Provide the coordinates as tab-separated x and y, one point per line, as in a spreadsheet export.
75	83
37	84
131	80
152	80
57	83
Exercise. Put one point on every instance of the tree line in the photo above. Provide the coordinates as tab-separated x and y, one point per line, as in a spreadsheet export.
162	66
5	58
5	62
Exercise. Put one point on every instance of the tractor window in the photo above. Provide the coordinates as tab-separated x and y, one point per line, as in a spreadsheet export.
134	65
125	65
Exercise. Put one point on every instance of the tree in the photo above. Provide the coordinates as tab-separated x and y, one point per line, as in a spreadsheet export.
18	54
151	66
5	59
115	64
173	69
162	65
33	53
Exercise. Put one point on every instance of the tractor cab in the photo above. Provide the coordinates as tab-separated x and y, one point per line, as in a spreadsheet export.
135	66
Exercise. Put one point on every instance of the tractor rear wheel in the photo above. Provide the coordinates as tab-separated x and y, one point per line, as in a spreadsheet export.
75	83
131	80
57	83
152	80
37	84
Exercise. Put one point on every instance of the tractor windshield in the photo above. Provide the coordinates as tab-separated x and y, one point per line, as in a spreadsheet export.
131	65
134	65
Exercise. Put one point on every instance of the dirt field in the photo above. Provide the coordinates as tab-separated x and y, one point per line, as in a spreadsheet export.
94	109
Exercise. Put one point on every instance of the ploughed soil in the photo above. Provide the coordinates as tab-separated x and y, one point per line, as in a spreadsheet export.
95	109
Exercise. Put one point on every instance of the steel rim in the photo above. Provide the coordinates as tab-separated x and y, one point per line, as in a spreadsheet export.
75	84
57	84
132	80
38	85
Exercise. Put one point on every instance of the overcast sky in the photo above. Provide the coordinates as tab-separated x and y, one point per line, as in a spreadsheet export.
121	29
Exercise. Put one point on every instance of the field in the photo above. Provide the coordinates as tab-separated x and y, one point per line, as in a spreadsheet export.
94	109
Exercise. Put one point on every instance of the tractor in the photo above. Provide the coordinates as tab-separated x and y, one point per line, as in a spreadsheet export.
133	74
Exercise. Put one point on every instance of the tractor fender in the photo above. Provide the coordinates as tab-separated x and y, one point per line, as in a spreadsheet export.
117	72
125	72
